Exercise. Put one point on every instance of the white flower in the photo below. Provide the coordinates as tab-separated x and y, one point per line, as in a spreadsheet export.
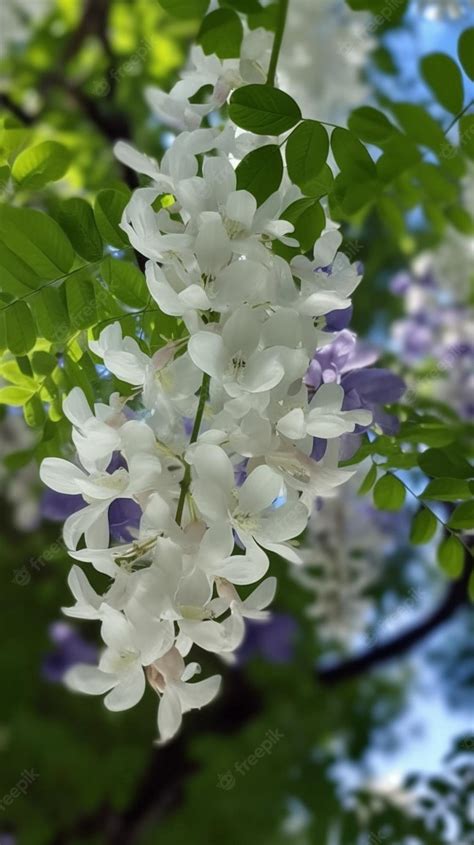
95	435
164	378
175	108
170	678
130	647
253	607
324	417
253	511
235	360
145	474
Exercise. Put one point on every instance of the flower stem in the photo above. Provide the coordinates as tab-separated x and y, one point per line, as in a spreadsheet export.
194	436
280	28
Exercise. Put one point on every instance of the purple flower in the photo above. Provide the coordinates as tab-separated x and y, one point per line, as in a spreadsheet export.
338	320
272	639
124	517
347	362
58	506
70	649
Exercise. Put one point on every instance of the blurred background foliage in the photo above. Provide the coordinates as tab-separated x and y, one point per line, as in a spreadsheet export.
364	752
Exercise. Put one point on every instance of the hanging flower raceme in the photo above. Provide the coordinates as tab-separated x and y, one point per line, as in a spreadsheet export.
212	445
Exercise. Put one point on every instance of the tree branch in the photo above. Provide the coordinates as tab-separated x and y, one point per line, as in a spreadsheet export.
15	109
456	597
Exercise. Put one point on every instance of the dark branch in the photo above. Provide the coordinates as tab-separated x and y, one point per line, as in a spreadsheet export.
456	597
15	109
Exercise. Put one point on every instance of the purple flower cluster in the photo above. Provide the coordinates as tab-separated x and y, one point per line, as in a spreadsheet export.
439	330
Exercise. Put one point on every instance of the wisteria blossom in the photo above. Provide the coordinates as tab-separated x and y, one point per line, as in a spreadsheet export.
435	337
209	456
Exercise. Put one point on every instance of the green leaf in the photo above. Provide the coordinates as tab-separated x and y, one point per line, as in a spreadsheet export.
17	277
444	78
431	433
260	172
466	51
466	134
267	18
351	192
80	300
309	220
370	125
463	516
12	139
16	460
221	33
126	282
436	183
108	210
368	481
76	218
37	240
51	315
263	110
400	153
43	363
447	490
451	556
20	327
76	374
244	6
321	184
391	216
10	370
426	131
16	396
351	156
389	493
306	152
420	126
460	218
188	9
38	165
423	527
4	176
34	413
445	463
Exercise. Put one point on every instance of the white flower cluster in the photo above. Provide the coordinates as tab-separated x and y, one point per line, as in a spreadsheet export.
342	560
325	49
214	442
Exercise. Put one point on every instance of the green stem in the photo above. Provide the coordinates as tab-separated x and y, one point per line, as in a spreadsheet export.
459	116
433	513
194	436
280	28
63	278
